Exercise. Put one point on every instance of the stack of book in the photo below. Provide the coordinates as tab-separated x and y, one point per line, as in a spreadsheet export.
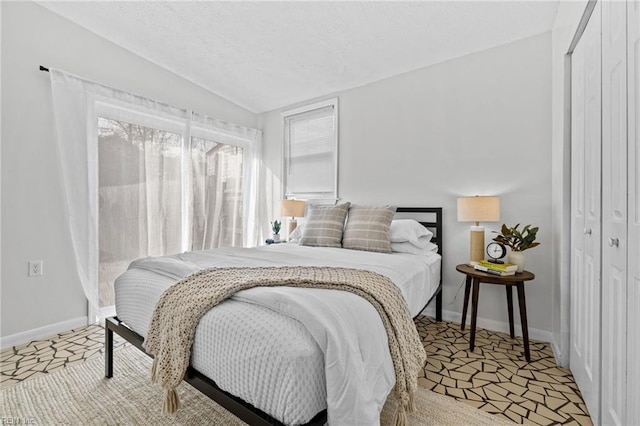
502	269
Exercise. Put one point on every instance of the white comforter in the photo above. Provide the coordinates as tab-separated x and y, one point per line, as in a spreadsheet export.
348	330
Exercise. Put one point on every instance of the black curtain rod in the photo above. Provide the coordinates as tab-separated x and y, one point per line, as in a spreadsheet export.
44	68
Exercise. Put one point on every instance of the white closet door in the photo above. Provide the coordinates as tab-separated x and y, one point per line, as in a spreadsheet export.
633	258
577	348
614	213
585	207
577	324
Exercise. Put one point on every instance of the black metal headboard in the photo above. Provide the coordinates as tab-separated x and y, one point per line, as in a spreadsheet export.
429	217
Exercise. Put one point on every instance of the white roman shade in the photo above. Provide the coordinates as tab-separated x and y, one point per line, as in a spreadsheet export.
310	151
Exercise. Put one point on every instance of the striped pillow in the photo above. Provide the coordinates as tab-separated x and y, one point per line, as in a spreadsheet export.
368	228
324	226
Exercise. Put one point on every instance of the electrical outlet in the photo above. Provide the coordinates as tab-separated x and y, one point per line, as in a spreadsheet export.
35	268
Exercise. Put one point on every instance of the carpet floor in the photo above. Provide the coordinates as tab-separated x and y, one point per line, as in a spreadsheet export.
81	395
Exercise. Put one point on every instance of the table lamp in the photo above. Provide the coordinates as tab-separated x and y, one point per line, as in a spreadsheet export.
478	209
293	209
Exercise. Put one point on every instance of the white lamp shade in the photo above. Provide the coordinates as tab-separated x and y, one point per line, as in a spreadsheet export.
479	209
292	208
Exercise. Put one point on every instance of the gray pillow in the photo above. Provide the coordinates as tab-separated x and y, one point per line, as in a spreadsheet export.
324	226
368	228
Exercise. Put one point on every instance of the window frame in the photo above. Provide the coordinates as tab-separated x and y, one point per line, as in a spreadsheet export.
315	197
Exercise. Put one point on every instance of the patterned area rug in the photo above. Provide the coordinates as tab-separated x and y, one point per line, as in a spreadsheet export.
41	357
496	378
81	395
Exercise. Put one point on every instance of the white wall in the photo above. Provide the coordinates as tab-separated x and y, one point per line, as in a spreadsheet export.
0	163
564	28
32	206
480	124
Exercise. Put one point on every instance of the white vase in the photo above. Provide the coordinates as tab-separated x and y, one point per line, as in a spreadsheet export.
517	258
276	238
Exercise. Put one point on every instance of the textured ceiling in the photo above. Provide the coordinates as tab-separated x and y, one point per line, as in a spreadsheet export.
266	55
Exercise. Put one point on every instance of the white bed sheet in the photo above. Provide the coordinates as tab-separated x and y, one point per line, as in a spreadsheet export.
264	357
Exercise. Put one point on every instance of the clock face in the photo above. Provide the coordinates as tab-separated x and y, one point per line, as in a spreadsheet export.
496	250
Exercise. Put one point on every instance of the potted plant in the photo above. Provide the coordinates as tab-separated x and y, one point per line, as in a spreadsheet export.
518	241
275	227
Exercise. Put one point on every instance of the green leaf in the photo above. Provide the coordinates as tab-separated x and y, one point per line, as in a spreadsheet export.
516	239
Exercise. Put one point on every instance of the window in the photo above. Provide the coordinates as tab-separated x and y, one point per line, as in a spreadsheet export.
144	178
155	200
216	176
139	197
311	152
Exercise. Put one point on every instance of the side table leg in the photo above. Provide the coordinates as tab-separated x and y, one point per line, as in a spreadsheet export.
467	290
523	320
474	313
510	309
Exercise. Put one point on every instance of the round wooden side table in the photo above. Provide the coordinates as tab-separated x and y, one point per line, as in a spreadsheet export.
476	277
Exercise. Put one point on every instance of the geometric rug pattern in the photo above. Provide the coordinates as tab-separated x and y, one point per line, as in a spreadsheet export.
80	395
496	377
41	357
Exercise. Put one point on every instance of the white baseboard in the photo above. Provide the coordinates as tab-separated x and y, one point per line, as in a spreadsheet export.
556	352
42	332
493	325
562	358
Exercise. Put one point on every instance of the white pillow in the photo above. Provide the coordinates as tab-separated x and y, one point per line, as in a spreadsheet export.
410	230
408	247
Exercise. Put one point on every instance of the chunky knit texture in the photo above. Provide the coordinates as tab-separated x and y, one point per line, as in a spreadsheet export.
180	308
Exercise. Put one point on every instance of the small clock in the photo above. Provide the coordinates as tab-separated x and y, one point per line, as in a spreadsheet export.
496	251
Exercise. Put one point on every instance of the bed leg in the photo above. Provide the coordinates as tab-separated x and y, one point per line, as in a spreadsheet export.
439	306
108	350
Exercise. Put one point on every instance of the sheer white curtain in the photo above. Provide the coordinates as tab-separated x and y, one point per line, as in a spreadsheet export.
158	139
217	196
230	146
140	194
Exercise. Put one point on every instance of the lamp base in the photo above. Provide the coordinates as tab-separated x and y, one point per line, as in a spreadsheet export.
476	253
293	224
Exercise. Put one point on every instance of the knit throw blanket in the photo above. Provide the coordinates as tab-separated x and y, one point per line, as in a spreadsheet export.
181	307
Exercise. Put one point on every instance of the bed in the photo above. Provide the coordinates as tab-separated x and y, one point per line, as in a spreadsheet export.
266	344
